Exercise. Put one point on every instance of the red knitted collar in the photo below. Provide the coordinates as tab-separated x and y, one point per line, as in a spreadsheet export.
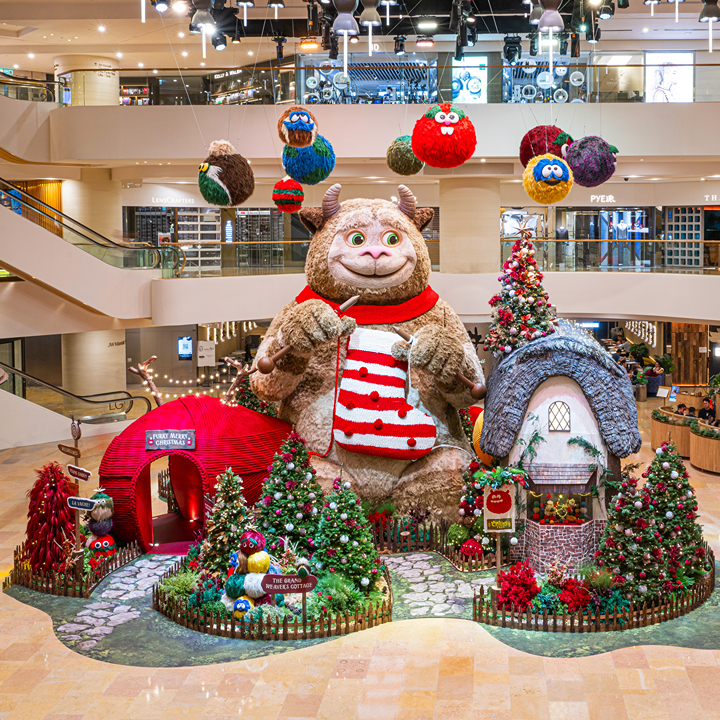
381	314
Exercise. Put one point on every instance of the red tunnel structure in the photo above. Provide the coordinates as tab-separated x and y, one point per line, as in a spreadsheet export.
225	436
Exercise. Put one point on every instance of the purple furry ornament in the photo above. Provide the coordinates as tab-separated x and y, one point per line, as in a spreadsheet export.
592	160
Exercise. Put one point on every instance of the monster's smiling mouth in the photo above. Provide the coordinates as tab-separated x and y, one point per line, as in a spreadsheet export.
550	181
367	274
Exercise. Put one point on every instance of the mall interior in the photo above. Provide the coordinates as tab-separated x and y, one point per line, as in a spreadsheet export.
350	369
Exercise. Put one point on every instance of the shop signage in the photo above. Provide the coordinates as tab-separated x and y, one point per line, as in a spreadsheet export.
499	510
173	201
712	198
169	439
78	473
288	583
69	450
80	503
602	199
702	349
206	353
228	73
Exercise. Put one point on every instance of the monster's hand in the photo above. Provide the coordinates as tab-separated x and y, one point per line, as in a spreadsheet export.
311	324
437	351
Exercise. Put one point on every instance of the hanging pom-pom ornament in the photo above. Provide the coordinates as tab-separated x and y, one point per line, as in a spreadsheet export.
547	179
444	137
289	527
344	538
364	582
541	140
298	516
638	504
659	451
346	485
666	466
485	541
277	495
297	127
333	506
343	516
225	178
310	495
291	466
592	160
310	165
401	159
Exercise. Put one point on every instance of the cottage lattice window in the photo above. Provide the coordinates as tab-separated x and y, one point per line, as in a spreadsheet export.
559	417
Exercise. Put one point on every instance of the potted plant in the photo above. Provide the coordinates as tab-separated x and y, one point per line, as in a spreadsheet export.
641	386
639	351
667	363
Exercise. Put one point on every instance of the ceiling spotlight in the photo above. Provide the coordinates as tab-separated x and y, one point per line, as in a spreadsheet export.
471	36
17	67
276	5
427	25
424	41
180	6
279	41
160	5
400	44
333	51
593	35
219	42
607	10
309	43
535	15
101	28
354	39
194	29
710	12
512	50
534	44
551	20
31	55
184	53
118	55
141	64
204	19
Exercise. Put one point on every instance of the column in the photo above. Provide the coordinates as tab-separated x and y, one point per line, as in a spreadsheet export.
469	225
94	362
93	80
95	201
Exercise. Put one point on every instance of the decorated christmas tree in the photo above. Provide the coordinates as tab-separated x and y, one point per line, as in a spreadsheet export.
472	499
291	499
228	521
345	542
675	507
247	398
51	523
631	546
467	423
521	312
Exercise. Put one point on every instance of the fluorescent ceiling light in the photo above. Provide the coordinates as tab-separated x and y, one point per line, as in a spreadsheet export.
427	25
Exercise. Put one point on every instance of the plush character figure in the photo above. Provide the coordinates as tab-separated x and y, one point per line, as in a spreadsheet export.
297	127
592	161
309	165
225	178
571	511
361	397
547	179
102	546
444	137
550	512
542	140
251	542
100	521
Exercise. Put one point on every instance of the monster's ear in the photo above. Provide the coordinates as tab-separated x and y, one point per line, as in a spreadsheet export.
312	218
423	217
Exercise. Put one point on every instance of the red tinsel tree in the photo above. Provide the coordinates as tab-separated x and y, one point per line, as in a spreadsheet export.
521	311
51	523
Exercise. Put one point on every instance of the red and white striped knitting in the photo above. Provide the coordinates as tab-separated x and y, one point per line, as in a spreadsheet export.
372	416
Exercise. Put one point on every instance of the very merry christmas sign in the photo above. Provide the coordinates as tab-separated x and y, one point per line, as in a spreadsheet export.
499	510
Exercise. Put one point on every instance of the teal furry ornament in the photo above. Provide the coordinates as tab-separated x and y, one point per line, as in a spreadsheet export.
309	165
401	159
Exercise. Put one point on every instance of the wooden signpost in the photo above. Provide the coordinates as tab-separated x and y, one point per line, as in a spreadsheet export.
78	504
69	450
283	584
499	515
79	473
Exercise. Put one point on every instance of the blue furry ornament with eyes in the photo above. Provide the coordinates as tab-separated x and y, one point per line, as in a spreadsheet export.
547	179
297	127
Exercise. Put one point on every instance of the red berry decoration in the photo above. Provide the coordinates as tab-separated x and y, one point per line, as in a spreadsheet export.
542	140
288	195
444	137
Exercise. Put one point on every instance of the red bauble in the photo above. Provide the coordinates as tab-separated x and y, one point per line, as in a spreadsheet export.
288	195
444	137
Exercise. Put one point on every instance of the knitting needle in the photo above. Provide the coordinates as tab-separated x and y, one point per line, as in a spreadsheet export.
477	391
267	364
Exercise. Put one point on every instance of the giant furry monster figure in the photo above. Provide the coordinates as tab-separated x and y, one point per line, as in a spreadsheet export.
395	439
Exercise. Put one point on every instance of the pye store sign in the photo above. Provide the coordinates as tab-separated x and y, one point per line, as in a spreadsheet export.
604	199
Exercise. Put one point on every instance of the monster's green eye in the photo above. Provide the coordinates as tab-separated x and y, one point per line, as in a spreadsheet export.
391	238
355	239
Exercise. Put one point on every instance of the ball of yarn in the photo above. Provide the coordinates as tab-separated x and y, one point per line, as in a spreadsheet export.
234	586
401	159
541	140
309	165
259	562
444	137
288	195
592	161
253	585
225	178
547	179
251	542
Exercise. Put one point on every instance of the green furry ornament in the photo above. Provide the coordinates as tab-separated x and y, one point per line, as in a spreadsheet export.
401	159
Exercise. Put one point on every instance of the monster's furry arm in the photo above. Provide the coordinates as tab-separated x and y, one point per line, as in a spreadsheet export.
443	349
304	327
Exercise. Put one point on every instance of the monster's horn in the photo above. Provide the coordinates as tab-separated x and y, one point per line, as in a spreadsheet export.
330	203
407	201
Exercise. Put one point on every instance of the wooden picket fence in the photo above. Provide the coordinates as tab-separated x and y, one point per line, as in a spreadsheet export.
65	584
165	490
486	611
396	538
330	625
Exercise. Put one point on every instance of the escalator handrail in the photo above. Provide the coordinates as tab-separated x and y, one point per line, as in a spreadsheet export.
10	81
82	398
105	240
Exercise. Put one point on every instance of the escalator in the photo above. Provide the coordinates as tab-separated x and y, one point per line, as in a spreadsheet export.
43	245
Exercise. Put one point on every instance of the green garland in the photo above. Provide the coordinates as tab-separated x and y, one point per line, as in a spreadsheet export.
597	464
500	476
530	446
663	418
695	429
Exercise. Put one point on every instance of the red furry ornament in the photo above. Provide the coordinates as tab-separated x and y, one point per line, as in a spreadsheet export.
288	195
542	140
444	137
